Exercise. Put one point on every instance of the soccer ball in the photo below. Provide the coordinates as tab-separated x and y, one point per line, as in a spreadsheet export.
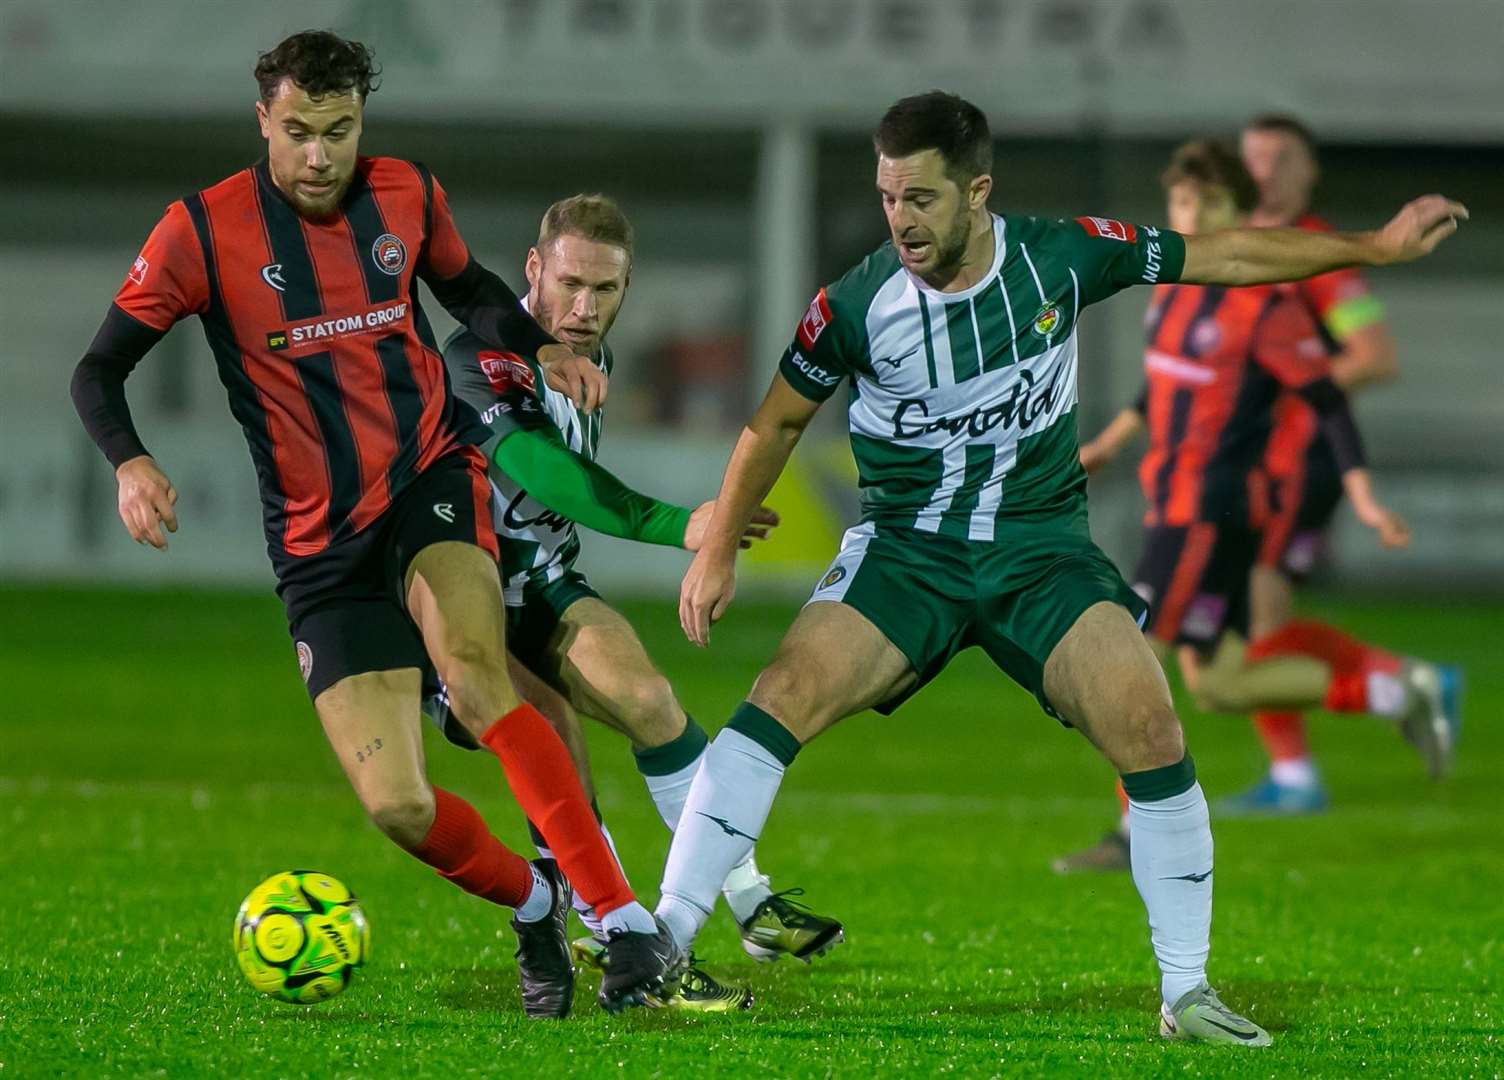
300	935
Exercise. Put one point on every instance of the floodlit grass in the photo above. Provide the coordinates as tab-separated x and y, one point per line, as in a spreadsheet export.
158	757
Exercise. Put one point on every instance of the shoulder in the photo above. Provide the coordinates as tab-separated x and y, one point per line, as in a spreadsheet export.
236	188
851	294
393	172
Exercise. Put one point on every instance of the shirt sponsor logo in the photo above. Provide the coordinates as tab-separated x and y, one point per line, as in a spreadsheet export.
1153	254
1021	408
138	270
513	519
815	320
1109	229
276	340
507	371
271	273
814	372
362	322
389	254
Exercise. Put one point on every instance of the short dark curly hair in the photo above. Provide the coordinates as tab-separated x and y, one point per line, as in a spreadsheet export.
942	122
319	62
1208	161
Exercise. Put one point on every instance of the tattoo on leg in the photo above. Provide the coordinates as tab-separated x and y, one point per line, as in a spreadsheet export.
369	749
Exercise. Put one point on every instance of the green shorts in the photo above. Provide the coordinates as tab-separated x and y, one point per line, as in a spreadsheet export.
1015	596
531	625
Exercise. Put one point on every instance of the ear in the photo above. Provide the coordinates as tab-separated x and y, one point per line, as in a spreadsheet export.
978	191
533	268
264	119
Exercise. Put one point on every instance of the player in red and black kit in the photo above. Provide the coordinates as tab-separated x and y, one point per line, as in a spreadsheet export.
1218	363
303	272
1280	153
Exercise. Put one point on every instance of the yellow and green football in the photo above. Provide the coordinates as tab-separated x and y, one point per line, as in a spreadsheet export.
300	935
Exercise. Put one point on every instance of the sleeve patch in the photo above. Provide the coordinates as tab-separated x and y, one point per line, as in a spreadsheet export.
507	372
138	270
815	320
1109	229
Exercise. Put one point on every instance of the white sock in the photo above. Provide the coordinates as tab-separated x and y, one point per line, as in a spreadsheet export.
1294	772
582	906
630	917
1387	695
1172	867
724	814
539	902
744	887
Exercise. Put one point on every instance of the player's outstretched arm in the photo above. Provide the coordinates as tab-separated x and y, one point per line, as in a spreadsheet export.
760	455
1116	435
1260	256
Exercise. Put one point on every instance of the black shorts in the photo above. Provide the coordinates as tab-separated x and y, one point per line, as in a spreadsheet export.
346	605
1303	507
1195	578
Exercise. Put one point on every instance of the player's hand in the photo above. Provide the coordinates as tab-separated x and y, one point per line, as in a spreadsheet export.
146	501
1420	225
576	377
1094	456
764	520
1393	531
706	593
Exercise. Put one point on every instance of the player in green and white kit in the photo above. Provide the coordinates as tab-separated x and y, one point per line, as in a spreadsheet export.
958	342
575	651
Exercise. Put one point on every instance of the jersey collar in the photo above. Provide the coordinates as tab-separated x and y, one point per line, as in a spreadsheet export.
999	229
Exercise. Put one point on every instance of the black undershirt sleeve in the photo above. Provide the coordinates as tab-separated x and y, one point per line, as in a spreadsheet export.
1141	403
1336	421
491	310
98	386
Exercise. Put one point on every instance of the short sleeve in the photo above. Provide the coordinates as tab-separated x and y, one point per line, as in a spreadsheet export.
820	355
1109	256
501	386
444	250
167	281
1341	300
1288	345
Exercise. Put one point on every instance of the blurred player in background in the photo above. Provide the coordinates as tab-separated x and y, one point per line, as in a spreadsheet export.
303	270
959	339
573	650
1219	365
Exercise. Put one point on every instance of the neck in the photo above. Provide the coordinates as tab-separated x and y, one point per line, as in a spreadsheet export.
975	261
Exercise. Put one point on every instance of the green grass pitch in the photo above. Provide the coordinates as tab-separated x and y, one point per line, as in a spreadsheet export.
158	758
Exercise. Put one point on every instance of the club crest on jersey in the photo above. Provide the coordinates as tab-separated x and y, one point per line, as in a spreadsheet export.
271	273
138	270
815	320
1109	228
305	660
389	253
835	575
1048	320
507	371
1204	336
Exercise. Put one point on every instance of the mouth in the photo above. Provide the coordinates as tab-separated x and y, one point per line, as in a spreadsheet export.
576	336
914	251
316	188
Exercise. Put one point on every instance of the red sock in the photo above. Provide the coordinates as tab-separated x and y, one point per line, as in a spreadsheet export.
1122	797
542	776
462	849
1351	660
1283	735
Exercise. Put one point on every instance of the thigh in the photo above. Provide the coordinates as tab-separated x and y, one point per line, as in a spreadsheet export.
602	664
833	662
1103	679
373	724
454	597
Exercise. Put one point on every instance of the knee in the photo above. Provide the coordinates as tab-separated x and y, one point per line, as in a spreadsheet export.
792	693
649	711
1217	690
1155	736
475	675
405	815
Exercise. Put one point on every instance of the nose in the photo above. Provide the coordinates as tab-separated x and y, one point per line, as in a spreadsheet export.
584	303
317	157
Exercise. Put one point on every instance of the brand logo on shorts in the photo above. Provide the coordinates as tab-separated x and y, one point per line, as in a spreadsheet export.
271	273
305	659
836	574
444	512
1048	320
1204	618
390	254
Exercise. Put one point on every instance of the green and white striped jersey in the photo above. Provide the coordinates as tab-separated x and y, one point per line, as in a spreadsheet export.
538	546
962	405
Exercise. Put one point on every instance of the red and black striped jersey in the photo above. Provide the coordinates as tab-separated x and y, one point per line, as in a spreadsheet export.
1339	303
330	365
1216	363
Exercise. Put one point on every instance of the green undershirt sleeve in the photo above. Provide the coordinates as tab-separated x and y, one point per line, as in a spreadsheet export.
585	493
